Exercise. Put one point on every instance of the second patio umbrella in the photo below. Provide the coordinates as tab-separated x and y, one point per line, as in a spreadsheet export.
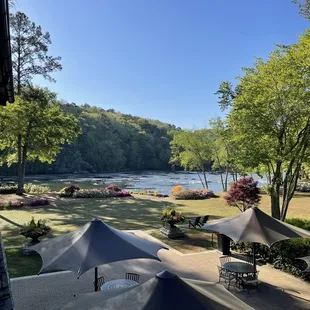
255	226
94	244
165	291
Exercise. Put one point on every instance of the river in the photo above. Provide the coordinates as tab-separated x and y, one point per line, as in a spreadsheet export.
144	180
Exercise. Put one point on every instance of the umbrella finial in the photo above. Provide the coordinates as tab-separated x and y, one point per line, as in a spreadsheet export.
166	275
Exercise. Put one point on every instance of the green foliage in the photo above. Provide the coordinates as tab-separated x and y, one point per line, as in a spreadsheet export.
109	142
5	190
35	230
270	119
187	194
36	189
304	7
192	150
302	223
68	191
172	216
94	193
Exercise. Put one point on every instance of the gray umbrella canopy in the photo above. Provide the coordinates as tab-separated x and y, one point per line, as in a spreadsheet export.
166	291
94	244
307	260
254	225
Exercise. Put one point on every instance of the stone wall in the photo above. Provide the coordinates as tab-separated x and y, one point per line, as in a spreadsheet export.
6	300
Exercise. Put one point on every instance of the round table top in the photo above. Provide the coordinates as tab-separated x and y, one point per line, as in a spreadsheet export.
115	284
239	267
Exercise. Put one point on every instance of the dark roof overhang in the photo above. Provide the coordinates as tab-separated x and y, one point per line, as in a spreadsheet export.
6	75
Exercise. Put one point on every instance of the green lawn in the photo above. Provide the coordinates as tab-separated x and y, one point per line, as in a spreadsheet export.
65	215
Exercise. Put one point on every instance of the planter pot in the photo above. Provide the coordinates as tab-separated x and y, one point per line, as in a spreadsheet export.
172	232
27	248
223	244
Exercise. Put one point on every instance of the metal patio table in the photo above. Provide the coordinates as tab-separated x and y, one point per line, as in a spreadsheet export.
116	284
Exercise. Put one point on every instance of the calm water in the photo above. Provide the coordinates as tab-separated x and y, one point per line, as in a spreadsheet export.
148	180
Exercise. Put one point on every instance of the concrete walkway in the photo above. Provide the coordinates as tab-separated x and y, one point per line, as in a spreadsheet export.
278	290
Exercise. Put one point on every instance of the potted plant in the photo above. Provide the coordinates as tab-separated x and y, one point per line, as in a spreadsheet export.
172	217
35	230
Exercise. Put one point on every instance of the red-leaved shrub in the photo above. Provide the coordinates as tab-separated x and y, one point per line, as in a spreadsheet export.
243	194
114	187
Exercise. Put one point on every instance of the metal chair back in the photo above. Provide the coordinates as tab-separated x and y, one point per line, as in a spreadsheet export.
225	259
132	276
100	282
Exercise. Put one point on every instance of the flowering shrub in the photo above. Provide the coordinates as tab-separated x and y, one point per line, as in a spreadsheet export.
243	194
36	189
171	216
69	191
39	202
35	230
149	193
303	187
123	194
176	190
94	193
114	188
11	205
187	194
5	190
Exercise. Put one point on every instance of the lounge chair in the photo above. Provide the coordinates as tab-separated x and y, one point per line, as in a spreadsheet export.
204	220
195	222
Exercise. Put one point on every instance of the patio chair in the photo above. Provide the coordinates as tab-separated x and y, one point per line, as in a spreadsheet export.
100	282
250	281
225	274
204	220
225	259
132	276
195	222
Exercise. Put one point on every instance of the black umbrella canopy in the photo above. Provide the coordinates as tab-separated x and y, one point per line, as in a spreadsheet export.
166	291
254	225
94	244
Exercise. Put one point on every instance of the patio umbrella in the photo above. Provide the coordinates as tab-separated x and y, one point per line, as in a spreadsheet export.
165	291
255	226
307	260
94	244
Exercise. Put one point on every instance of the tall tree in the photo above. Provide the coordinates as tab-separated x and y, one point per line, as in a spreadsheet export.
192	150
36	117
29	58
270	119
304	7
222	150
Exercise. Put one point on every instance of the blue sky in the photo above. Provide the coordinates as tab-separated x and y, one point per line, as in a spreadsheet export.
161	59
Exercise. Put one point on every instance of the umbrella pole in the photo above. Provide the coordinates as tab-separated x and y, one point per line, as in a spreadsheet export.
254	260
96	279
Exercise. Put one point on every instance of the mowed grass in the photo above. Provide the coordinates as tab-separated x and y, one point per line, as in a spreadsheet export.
65	215
140	212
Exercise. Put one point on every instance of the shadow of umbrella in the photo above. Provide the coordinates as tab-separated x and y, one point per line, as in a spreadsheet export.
165	291
94	244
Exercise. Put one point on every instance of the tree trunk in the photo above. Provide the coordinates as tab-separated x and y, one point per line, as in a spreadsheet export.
275	191
22	170
19	165
205	178
222	181
226	179
200	179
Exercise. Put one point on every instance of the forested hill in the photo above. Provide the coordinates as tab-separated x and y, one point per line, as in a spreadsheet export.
110	141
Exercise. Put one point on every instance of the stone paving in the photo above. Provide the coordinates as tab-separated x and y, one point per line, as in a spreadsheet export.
278	290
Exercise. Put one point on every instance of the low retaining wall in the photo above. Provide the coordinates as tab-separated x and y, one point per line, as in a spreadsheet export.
6	300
